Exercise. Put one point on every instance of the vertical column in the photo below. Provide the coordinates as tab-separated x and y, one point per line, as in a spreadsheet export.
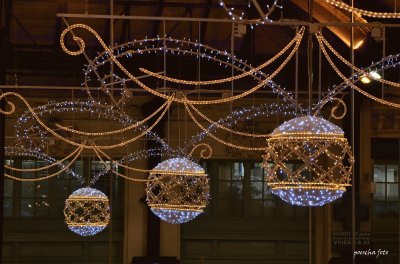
135	213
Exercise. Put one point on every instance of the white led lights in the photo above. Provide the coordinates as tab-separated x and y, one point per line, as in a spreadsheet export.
177	190
87	211
312	161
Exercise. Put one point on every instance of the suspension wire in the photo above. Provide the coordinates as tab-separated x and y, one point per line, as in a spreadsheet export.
353	192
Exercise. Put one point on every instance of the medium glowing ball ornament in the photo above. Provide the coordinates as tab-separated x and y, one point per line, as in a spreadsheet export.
87	211
177	190
308	161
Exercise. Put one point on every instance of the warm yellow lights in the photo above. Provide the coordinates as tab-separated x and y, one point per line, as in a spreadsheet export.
177	190
365	79
362	12
375	75
311	161
87	211
358	44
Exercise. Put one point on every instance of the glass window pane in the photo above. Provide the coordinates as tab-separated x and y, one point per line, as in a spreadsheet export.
27	189
379	209
41	208
392	210
392	191
238	172
224	172
391	173
42	189
8	188
256	190
257	172
27	207
28	164
224	189
237	190
379	173
268	192
380	192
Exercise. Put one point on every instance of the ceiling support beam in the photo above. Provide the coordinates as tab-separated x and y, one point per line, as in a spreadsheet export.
244	21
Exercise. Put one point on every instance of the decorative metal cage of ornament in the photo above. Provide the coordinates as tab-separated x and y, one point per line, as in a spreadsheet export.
308	161
177	190
87	211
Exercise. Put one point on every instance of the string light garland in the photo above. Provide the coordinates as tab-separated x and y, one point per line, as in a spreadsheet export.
270	8
87	211
177	190
362	12
308	161
154	92
18	151
246	114
351	84
297	39
187	107
385	63
65	140
177	47
63	168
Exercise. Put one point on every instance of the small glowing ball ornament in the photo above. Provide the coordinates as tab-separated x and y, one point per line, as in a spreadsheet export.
177	190
308	161
87	211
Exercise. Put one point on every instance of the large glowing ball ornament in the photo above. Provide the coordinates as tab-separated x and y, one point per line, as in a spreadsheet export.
177	190
308	161
87	211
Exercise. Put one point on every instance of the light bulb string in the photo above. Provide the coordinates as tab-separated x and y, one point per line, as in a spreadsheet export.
97	150
65	167
84	145
358	70
187	106
58	162
351	84
154	92
359	11
136	124
226	128
296	39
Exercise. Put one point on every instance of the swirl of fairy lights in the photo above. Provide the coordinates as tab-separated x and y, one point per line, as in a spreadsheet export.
297	39
245	114
91	107
163	95
84	145
25	152
63	168
269	8
186	47
386	63
151	45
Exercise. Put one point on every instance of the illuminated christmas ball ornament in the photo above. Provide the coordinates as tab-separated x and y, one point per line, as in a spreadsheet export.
177	190
308	161
87	211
